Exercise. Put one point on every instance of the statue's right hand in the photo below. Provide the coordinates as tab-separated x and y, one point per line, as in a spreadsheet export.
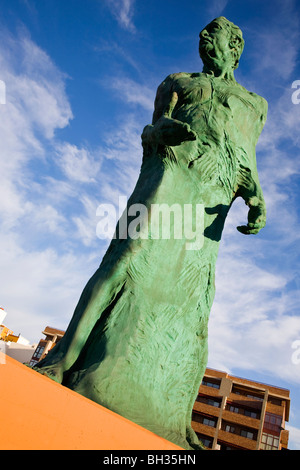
168	131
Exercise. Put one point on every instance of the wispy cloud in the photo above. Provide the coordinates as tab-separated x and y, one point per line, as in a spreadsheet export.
36	105
123	11
78	164
294	437
254	318
216	8
276	44
27	278
132	92
114	49
32	203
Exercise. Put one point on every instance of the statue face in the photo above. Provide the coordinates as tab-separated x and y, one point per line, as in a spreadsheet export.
214	43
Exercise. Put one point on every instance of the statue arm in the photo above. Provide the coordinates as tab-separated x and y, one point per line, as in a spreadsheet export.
165	130
252	194
249	186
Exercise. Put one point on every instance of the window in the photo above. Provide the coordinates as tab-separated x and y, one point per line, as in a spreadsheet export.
38	352
234	409
33	362
230	428
209	422
256	397
248	434
206	440
241	410
211	382
204	419
209	400
227	447
269	442
251	414
213	402
238	390
273	422
239	430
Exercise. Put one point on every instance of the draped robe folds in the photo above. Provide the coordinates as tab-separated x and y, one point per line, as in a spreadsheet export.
137	341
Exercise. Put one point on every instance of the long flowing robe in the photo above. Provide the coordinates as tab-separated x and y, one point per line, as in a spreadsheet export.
137	341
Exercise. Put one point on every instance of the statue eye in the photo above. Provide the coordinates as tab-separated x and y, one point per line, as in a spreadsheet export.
215	26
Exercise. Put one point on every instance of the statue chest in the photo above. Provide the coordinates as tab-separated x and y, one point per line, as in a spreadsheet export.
211	105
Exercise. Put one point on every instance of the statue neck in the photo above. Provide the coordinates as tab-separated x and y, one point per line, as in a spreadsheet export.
220	72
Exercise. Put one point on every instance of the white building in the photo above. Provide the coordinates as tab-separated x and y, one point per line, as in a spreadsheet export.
18	351
2	315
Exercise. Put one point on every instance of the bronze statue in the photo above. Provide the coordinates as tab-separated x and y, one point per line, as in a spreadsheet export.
137	342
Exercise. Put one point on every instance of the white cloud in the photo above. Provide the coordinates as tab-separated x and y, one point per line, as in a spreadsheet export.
45	217
294	437
86	222
254	318
39	237
34	85
122	152
279	51
78	164
276	43
132	92
115	49
31	205
122	10
36	105
40	287
216	8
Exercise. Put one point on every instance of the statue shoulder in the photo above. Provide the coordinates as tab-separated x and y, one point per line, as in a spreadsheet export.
174	77
164	93
261	103
261	107
258	102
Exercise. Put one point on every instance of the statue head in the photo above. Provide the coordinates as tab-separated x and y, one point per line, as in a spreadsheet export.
221	45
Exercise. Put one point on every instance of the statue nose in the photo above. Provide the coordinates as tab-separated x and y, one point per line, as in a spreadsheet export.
204	33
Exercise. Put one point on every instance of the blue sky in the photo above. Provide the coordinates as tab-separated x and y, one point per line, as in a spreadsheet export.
80	79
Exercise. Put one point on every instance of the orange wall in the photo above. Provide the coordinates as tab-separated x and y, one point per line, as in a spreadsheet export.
45	415
4	332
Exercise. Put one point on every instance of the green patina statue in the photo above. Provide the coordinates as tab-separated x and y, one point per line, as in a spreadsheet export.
137	341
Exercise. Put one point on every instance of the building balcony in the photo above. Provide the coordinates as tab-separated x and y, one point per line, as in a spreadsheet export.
206	409
236	440
241	419
252	402
206	390
204	429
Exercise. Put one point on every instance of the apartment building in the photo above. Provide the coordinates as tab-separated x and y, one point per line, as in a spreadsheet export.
232	413
53	336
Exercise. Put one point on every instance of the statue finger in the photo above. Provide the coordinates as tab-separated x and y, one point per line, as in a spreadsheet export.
171	105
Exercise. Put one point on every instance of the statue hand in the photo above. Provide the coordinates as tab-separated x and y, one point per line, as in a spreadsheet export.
172	132
256	217
168	131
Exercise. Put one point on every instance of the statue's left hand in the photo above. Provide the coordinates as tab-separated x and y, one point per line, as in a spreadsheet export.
256	217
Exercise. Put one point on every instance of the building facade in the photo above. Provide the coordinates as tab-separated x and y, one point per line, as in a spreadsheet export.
53	336
232	413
